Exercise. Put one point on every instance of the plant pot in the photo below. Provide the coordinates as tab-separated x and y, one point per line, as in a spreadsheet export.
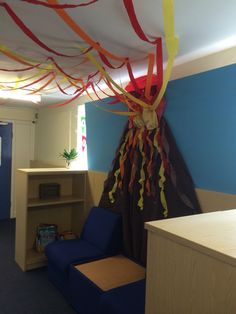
68	162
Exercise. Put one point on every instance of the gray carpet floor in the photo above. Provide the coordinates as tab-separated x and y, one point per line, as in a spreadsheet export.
25	293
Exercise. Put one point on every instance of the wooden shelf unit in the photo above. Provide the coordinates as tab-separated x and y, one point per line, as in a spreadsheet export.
66	211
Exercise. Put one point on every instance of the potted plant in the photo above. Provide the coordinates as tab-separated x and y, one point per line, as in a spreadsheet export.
69	155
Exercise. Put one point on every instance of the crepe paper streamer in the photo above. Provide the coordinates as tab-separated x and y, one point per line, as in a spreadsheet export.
132	79
159	64
134	21
62	90
149	165
101	69
22	59
4	50
97	95
172	45
34	82
118	112
149	75
95	92
44	85
121	98
59	6
105	93
88	94
114	188
19	80
165	82
62	71
79	31
117	172
125	154
21	70
110	193
162	193
68	101
75	84
147	152
142	173
107	62
162	178
92	75
28	32
133	174
16	84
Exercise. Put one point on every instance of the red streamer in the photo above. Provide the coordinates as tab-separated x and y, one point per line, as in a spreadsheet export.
62	90
159	64
34	82
68	101
21	70
28	32
59	6
132	79
43	86
134	21
107	62
62	71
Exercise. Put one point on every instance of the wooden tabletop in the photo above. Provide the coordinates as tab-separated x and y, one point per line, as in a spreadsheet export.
211	233
50	170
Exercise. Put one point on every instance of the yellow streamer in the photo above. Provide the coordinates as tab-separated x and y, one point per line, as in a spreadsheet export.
121	113
128	95
18	57
162	178
142	173
172	46
117	172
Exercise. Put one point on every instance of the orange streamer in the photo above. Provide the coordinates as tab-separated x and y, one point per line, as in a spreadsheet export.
79	31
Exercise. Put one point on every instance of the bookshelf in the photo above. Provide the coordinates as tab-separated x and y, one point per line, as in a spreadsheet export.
67	211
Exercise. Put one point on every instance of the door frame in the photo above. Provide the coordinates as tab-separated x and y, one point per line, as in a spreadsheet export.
12	215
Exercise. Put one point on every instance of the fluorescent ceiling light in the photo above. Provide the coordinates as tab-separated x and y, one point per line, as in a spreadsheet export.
19	96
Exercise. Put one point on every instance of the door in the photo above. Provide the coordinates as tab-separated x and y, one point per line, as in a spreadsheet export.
5	169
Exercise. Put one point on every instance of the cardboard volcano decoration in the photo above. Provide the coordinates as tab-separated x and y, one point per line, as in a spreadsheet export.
149	179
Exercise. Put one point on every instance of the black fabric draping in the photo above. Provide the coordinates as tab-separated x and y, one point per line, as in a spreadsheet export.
179	191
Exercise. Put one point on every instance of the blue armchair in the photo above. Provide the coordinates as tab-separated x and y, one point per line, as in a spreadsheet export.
101	236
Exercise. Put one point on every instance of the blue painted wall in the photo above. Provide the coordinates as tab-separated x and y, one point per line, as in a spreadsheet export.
201	111
104	131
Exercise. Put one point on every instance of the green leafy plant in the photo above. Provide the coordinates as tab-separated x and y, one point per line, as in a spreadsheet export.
69	155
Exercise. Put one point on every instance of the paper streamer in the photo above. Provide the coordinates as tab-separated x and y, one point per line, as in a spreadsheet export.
79	31
172	45
59	6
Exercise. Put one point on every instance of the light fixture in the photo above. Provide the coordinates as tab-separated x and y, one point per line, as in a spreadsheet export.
19	96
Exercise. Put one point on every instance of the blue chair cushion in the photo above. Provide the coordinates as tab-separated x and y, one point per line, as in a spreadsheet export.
103	229
128	299
64	253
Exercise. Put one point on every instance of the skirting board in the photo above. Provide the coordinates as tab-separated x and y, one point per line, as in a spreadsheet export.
209	200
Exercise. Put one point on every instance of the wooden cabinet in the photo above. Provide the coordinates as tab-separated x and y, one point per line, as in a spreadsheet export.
191	265
67	211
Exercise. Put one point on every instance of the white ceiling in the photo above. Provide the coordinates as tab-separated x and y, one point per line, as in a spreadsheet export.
202	27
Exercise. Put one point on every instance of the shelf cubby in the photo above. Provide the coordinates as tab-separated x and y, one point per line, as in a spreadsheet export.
66	211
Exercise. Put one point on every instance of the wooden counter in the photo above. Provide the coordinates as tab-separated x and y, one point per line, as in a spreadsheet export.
191	266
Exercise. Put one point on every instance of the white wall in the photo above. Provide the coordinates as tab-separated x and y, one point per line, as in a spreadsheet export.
17	113
56	129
